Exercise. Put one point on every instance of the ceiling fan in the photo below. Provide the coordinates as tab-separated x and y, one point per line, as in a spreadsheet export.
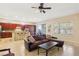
42	8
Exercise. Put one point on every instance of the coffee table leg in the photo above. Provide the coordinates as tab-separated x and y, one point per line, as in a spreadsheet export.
38	50
46	52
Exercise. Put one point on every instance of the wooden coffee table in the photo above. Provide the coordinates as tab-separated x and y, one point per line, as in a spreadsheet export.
47	46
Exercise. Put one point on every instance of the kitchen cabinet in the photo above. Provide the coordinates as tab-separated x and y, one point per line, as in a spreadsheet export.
5	34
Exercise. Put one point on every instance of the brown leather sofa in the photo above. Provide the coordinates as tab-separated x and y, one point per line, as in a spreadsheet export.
40	40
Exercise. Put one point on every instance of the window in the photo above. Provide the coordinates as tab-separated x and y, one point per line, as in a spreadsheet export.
63	28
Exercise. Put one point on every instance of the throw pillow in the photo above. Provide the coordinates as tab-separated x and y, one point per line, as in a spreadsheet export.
31	39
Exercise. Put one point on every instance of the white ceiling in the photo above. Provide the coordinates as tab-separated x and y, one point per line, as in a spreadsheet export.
22	12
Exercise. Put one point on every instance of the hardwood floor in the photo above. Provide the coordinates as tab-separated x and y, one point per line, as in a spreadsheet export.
17	47
67	50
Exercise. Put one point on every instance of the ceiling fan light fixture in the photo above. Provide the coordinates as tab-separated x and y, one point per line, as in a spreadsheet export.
42	8
44	11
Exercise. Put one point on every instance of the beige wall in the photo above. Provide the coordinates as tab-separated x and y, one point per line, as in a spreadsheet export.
74	19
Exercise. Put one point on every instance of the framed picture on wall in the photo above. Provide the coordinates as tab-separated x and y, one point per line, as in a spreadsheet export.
63	28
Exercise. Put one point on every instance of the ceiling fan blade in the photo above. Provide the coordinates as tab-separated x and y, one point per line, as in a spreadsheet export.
34	7
47	8
41	8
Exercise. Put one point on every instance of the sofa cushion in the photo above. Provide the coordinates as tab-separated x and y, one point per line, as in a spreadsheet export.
42	37
45	40
39	37
36	38
37	42
40	42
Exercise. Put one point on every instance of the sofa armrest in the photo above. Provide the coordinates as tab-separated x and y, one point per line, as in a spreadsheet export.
27	44
57	40
60	43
